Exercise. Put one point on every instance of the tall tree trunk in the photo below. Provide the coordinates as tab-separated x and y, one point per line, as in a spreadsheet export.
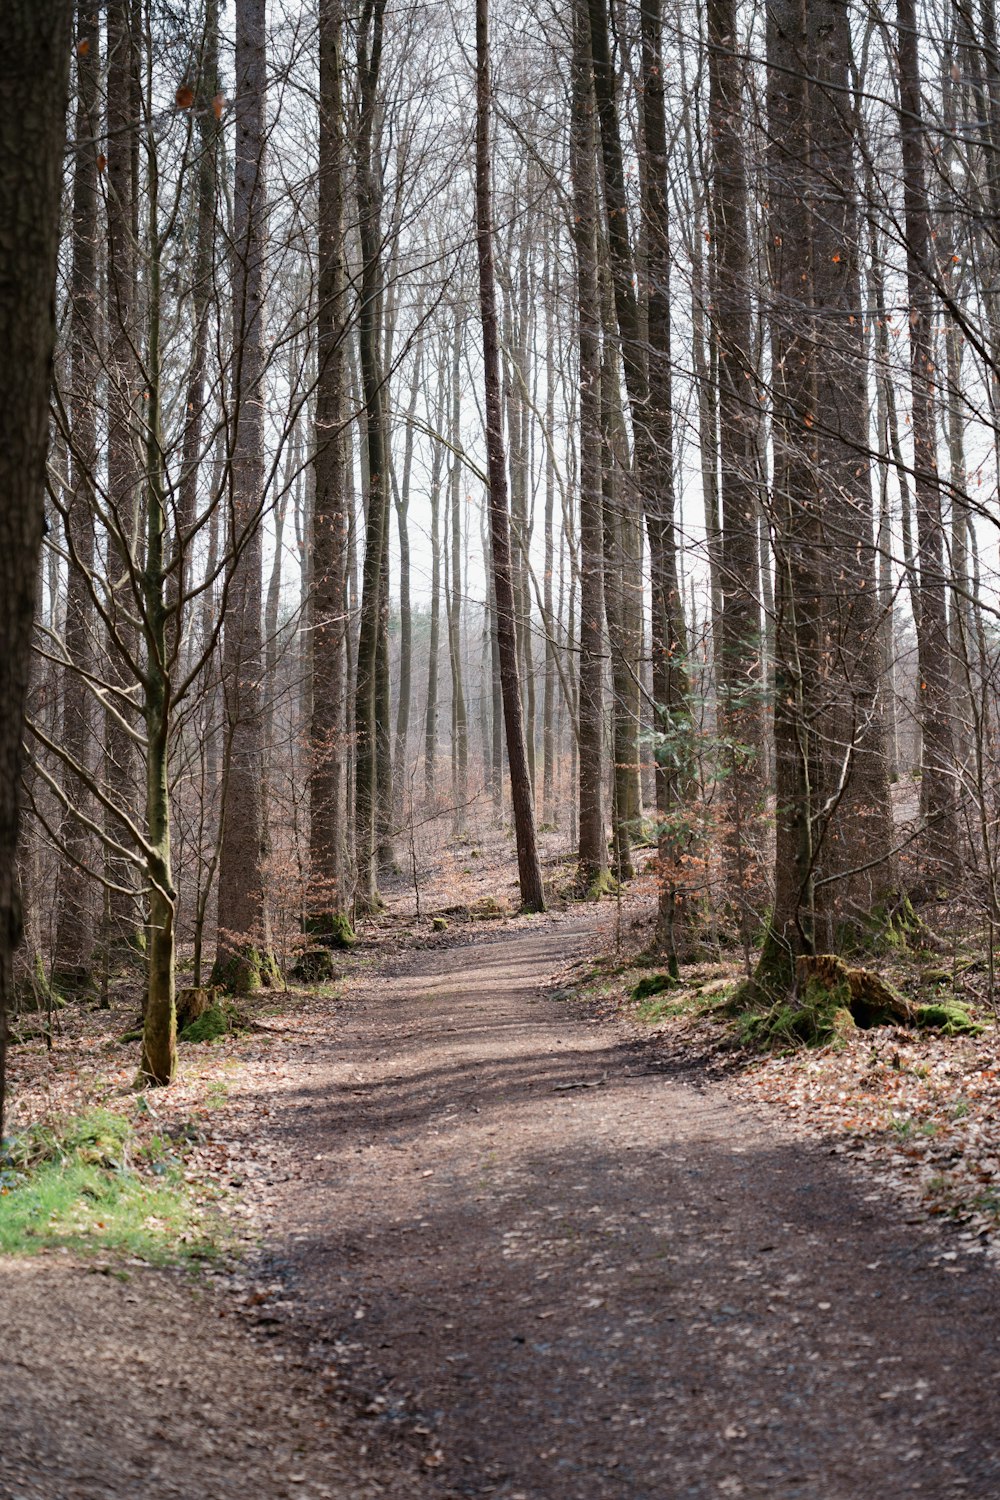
366	683
401	497
459	717
593	849
72	969
207	94
434	643
124	917
158	1062
739	655
647	367
937	786
327	736
855	874
529	868
243	958
34	75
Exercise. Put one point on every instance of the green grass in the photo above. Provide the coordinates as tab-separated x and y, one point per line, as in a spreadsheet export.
92	1187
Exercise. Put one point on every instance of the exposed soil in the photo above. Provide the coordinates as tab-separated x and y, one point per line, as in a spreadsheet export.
509	1253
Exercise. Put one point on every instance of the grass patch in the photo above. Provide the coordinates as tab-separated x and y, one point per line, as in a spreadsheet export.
660	1008
91	1186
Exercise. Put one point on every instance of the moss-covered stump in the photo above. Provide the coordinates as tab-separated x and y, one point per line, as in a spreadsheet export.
193	1001
591	886
219	1019
245	971
314	966
331	928
212	1023
831	998
821	977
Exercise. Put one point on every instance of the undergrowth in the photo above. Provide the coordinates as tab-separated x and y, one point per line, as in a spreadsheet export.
90	1185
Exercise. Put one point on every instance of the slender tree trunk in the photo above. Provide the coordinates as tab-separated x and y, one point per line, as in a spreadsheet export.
330	505
366	683
529	869
402	503
459	717
72	968
158	1062
124	917
593	849
243	958
937	786
434	644
207	94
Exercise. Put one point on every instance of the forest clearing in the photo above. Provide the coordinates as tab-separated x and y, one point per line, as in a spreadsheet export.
499	749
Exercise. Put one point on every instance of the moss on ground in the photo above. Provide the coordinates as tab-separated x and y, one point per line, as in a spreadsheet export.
91	1186
949	1017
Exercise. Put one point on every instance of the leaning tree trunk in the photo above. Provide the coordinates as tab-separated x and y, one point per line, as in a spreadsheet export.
243	959
34	76
529	868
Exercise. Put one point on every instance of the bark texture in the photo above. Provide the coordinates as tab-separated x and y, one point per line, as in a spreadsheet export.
34	75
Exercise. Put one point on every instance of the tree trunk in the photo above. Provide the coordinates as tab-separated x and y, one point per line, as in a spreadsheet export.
72	966
34	75
125	925
739	657
243	958
529	869
459	717
937	786
434	644
366	788
592	863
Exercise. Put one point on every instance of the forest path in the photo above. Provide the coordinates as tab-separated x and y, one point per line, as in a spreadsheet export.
507	1254
575	1277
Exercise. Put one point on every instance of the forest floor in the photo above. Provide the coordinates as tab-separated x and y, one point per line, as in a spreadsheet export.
493	1237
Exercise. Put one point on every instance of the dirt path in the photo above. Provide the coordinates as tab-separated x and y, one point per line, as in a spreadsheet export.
576	1278
510	1256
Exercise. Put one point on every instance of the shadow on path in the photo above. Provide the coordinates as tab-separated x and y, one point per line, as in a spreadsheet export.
578	1278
